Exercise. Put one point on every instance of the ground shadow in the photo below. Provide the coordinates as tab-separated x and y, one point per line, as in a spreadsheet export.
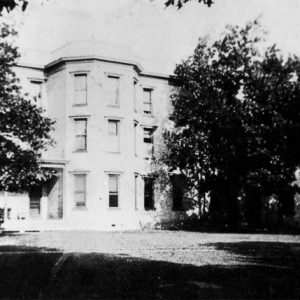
39	273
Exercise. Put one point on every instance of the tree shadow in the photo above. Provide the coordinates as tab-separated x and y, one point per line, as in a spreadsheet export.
272	254
28	272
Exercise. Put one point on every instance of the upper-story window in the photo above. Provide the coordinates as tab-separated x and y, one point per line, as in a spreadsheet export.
147	101
148	142
80	89
135	85
113	84
81	134
114	135
135	128
36	88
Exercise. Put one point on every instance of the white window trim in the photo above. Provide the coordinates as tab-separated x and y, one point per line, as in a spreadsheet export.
152	88
115	75
73	74
74	118
119	174
73	174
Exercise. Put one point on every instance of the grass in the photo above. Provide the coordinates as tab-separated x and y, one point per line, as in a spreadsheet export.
149	265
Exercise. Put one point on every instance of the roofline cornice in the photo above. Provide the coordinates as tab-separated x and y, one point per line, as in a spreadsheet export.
94	57
66	59
135	64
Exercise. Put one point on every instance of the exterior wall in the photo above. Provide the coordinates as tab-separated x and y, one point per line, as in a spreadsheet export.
98	162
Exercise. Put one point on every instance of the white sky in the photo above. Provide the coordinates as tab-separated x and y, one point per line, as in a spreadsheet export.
150	30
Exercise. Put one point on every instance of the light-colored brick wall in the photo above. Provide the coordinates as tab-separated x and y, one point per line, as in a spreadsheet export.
97	162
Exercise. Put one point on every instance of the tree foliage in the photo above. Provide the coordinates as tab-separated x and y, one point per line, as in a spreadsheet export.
24	131
236	120
180	3
9	5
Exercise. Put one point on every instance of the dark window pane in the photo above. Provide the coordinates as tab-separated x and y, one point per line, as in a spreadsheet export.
148	194
178	191
113	200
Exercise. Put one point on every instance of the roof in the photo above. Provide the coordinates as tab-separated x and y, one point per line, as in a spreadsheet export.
92	49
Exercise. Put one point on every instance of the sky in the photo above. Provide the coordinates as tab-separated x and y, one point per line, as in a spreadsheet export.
164	36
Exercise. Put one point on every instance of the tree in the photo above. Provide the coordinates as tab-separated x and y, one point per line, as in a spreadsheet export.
24	131
236	121
9	5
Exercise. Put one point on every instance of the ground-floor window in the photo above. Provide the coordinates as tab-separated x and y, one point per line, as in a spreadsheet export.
148	193
135	191
35	196
113	190
178	191
80	190
55	196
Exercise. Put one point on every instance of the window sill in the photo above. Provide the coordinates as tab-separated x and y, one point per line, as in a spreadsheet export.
79	151
114	106
79	105
114	208
80	208
114	152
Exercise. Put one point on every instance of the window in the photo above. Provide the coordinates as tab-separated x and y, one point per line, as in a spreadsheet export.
135	95
113	190
80	190
80	89
35	196
113	133
36	90
81	134
113	90
147	101
178	191
148	193
135	191
135	125
148	142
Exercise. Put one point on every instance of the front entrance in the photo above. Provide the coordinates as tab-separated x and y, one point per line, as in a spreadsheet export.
54	191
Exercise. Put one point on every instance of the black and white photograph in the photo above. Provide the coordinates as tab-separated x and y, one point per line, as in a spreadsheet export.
150	149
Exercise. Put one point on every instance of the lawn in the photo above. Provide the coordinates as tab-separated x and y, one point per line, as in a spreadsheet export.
149	265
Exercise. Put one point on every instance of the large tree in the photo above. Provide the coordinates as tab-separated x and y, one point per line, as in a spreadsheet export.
24	131
236	121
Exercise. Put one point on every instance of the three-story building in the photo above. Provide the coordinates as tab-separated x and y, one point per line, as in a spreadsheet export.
109	114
